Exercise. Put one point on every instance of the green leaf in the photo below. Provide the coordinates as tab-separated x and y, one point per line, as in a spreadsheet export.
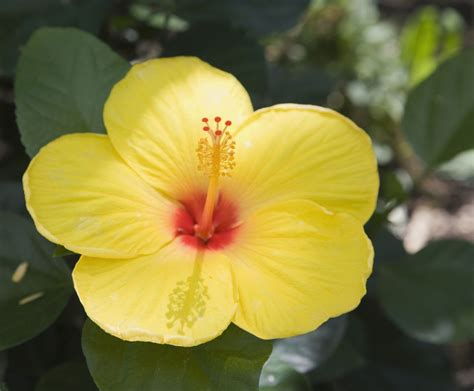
69	376
428	37
245	60
395	362
61	251
233	361
299	84
19	18
30	300
419	43
283	377
349	355
3	364
430	294
305	352
64	77
259	17
11	197
439	113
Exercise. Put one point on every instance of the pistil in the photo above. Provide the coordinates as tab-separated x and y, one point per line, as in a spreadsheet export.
215	159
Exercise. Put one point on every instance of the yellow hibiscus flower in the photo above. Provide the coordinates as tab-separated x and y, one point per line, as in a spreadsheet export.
194	211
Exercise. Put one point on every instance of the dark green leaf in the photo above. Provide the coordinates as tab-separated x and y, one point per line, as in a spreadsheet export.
263	17
28	303
439	113
391	189
61	251
245	59
64	77
260	17
350	355
3	364
305	352
70	376
430	294
231	362
299	84
395	362
19	18
12	198
387	248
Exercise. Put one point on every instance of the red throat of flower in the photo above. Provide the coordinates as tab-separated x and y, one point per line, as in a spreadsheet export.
210	220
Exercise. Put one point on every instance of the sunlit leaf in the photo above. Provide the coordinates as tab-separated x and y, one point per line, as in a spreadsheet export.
429	37
419	43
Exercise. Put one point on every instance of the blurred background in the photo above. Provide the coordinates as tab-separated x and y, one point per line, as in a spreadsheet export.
364	58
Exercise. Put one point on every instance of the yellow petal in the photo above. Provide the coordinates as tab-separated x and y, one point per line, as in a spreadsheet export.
82	195
175	296
295	151
153	117
296	265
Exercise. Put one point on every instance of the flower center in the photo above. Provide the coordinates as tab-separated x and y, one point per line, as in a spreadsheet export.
215	159
225	222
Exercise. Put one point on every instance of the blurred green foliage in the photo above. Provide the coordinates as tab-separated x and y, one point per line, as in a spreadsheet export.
406	78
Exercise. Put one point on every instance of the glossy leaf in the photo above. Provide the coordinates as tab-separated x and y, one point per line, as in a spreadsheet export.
439	113
305	352
430	294
350	355
64	77
283	377
394	361
34	288
233	361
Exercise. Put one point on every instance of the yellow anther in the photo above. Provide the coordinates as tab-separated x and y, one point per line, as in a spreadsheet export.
218	156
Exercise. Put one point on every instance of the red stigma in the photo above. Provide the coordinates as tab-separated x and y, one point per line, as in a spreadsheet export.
218	132
228	123
205	119
206	128
217	119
